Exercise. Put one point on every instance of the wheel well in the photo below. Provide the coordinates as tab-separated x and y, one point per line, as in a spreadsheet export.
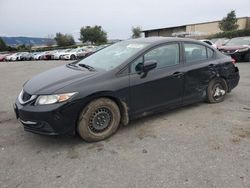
223	78
123	107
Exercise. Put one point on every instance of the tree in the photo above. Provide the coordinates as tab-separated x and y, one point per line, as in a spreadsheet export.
3	46
24	47
50	40
64	39
93	34
136	32
229	23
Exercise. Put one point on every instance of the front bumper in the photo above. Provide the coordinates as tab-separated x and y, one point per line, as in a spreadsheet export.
53	119
66	57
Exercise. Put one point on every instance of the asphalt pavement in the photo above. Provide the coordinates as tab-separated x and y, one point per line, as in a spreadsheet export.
201	145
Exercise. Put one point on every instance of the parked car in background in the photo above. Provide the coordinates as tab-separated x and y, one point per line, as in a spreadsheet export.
12	57
209	42
23	56
86	52
32	55
238	48
220	41
59	53
38	55
72	54
28	56
127	80
89	51
48	55
3	57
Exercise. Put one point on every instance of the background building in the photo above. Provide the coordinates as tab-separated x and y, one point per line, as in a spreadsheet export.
198	30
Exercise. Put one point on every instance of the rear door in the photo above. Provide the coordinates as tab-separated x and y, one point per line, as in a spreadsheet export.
200	68
162	86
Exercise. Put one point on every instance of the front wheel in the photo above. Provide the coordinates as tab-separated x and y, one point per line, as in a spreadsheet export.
217	90
99	120
72	57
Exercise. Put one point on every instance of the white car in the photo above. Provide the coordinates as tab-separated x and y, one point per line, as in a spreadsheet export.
73	54
209	42
38	56
12	57
58	55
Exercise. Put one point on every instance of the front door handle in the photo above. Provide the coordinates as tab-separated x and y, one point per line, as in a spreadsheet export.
177	74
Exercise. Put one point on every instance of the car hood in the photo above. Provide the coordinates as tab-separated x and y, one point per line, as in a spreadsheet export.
54	79
233	47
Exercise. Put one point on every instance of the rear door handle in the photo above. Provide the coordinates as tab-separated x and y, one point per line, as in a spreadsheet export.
177	74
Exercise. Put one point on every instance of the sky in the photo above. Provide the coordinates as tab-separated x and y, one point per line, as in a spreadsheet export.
42	18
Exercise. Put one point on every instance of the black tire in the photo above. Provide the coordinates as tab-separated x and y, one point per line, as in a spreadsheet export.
99	120
247	57
217	90
72	57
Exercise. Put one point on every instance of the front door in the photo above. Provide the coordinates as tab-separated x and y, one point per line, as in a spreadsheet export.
160	87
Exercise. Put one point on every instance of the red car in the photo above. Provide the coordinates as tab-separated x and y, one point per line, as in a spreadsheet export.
238	48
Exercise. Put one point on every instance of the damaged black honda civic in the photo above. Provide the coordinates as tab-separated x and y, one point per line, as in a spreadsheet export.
124	81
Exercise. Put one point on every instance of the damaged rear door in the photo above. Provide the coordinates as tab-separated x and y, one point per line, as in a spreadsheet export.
200	68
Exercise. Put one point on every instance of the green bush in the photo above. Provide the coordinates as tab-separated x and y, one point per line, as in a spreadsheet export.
232	34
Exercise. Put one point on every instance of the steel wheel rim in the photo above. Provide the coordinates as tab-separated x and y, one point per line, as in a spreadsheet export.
100	120
218	91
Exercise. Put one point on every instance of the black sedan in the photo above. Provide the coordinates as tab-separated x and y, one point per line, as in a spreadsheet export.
124	81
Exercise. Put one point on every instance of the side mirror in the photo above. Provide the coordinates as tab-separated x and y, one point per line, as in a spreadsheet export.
149	65
146	66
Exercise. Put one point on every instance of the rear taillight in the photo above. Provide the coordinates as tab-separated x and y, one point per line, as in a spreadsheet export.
233	61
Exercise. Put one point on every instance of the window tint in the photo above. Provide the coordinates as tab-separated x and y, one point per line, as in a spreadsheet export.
195	52
166	55
210	53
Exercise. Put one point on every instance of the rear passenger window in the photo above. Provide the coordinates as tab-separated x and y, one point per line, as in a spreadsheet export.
195	52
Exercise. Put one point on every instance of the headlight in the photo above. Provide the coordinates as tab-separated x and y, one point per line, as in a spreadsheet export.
52	99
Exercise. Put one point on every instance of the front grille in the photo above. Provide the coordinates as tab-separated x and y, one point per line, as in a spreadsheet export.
26	96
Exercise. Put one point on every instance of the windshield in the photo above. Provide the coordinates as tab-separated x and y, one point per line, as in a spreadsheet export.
114	55
239	41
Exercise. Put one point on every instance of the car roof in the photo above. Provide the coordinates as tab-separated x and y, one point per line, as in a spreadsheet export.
155	40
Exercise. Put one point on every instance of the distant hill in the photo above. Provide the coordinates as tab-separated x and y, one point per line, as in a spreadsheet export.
16	41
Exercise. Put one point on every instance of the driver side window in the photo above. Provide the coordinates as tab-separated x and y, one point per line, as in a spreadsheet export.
167	55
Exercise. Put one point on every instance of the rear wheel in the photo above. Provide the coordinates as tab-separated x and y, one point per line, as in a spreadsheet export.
217	90
98	120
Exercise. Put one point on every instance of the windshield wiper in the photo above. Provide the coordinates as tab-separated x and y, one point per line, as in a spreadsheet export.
72	65
86	66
